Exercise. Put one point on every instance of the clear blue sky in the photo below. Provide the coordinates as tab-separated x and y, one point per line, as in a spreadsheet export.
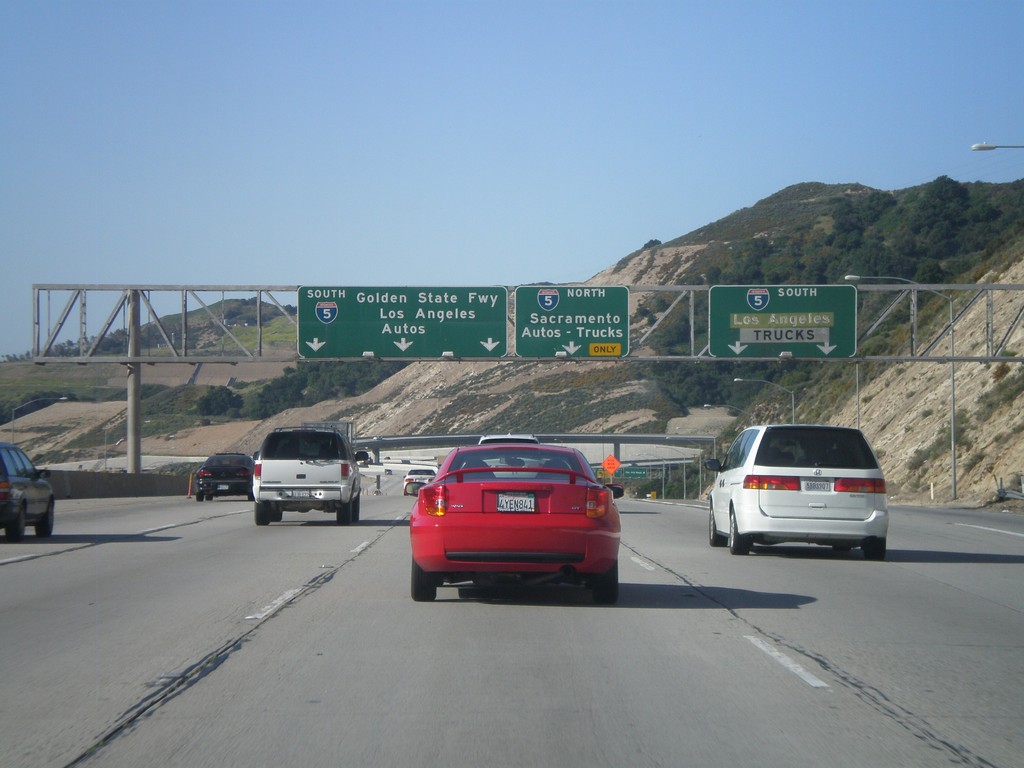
460	142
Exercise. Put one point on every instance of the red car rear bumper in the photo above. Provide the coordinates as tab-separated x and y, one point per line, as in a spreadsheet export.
514	543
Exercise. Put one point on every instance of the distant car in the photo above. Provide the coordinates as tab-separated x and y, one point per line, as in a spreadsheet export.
418	476
305	468
486	439
519	513
224	474
799	483
25	495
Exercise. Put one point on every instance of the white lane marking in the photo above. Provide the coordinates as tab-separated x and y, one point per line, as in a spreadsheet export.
155	530
18	559
787	662
994	530
361	547
642	564
276	605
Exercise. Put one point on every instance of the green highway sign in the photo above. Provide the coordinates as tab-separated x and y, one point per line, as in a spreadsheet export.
631	472
402	322
802	321
572	321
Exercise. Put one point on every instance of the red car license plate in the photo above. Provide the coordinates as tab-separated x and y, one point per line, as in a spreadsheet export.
517	502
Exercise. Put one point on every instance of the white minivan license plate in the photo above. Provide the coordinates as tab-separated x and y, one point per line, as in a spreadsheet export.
517	502
818	485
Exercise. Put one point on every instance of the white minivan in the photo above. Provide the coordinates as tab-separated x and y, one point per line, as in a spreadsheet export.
802	483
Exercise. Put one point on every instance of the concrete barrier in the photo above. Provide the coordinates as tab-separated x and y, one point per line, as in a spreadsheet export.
69	484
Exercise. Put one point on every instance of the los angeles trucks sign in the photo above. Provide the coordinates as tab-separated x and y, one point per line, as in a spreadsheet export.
801	321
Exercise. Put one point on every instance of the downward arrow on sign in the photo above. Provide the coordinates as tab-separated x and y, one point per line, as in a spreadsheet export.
315	344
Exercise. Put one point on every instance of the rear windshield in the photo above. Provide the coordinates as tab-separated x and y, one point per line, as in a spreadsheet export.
815	447
522	460
229	460
308	446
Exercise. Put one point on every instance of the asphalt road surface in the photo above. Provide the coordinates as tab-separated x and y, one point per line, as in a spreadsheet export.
162	632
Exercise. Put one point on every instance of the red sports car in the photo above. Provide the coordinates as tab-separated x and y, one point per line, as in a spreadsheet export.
526	513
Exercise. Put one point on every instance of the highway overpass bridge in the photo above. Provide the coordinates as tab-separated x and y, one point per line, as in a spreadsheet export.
589	443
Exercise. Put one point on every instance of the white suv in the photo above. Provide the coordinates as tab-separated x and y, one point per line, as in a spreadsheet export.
303	468
813	484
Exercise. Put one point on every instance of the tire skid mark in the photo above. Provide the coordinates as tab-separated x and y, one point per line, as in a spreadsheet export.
169	687
873	697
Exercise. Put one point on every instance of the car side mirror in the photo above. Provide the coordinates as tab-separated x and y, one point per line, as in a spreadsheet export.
618	491
412	488
362	456
713	464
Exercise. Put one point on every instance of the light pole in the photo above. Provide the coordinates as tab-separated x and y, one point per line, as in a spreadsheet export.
985	147
952	354
730	407
15	409
792	395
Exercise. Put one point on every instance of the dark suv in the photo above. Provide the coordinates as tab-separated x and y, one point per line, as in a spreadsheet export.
225	474
25	496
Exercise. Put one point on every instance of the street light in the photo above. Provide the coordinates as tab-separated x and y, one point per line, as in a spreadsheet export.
985	147
792	395
726	405
15	409
952	353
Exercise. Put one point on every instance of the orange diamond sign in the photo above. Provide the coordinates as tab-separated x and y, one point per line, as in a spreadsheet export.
611	464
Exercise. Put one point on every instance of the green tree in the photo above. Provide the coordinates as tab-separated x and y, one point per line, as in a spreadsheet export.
219	401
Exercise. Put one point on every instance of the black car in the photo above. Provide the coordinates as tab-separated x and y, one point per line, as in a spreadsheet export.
224	474
25	495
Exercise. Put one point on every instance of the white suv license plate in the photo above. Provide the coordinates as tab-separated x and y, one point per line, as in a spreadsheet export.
517	502
300	494
818	485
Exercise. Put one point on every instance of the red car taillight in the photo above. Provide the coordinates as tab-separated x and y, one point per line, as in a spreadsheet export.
344	469
203	473
771	483
257	471
597	502
433	500
860	485
5	490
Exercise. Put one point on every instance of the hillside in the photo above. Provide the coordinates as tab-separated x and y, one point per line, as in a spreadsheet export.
810	232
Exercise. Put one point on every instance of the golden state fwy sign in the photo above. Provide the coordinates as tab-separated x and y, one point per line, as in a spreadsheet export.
462	322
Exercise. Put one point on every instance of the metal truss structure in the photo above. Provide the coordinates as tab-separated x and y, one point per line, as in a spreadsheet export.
996	309
63	331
